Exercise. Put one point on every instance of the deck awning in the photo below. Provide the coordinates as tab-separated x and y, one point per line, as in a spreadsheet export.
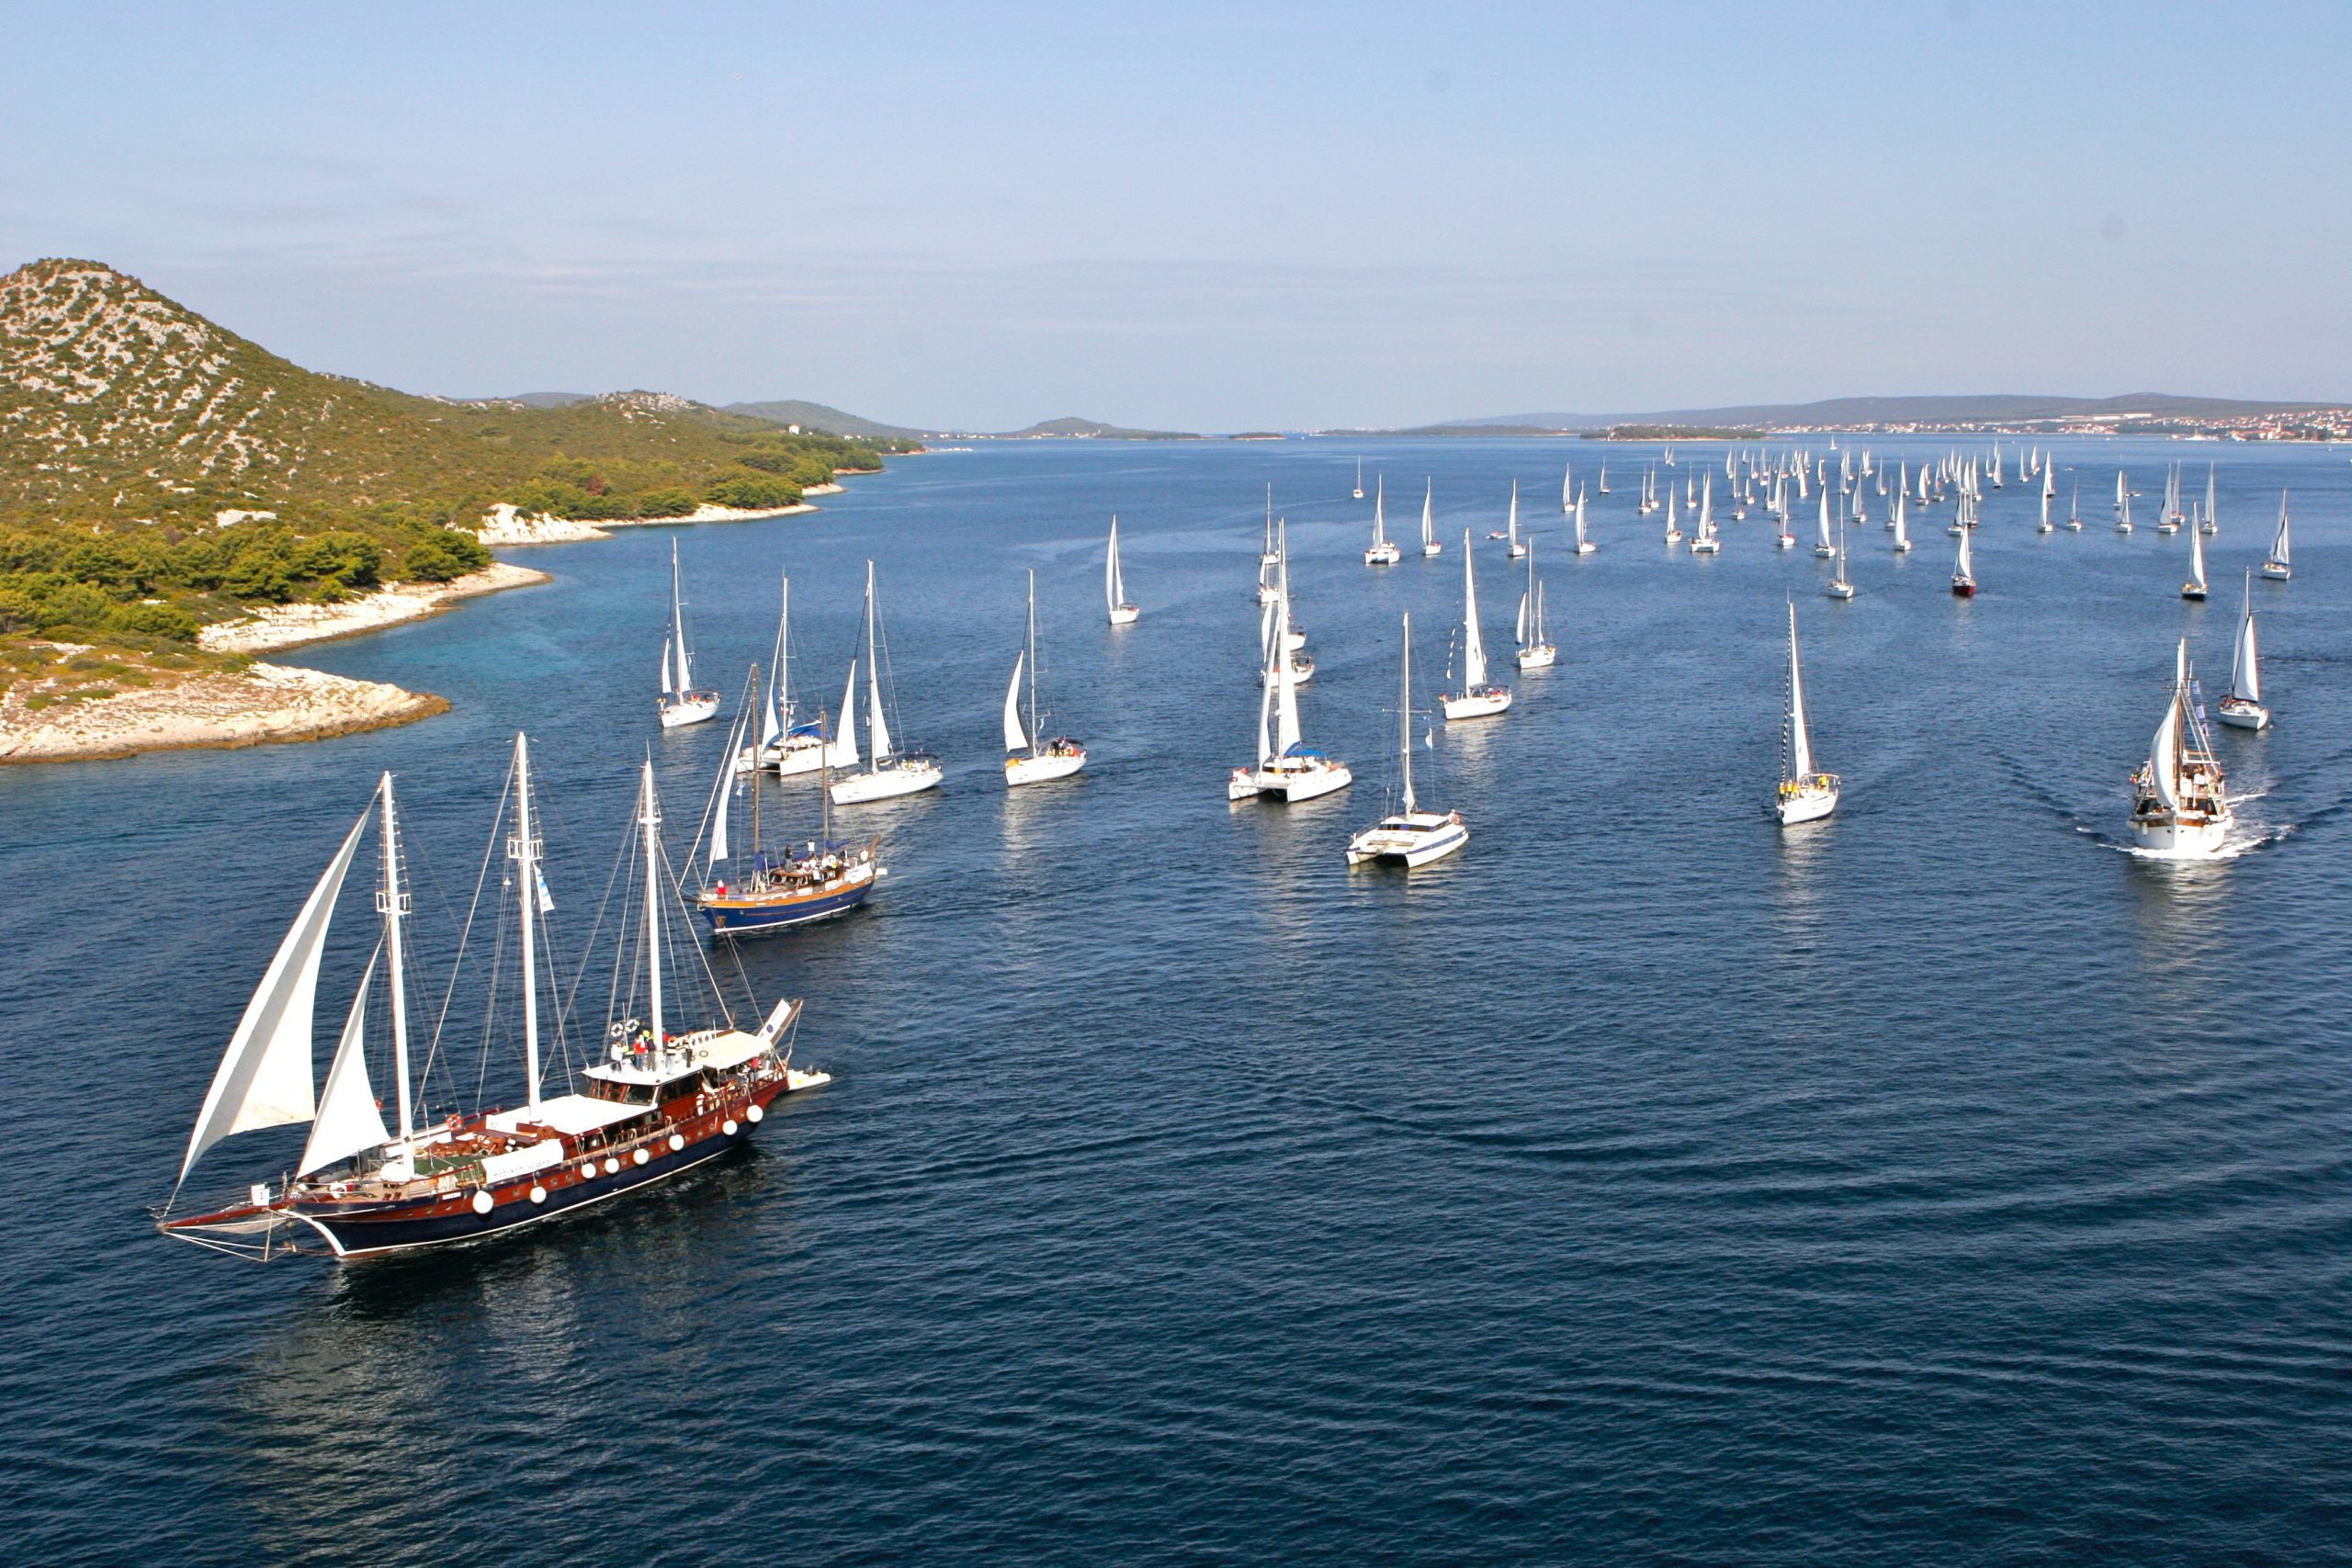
574	1114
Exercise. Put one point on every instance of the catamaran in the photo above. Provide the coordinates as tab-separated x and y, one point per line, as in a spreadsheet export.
1122	609
813	879
1806	794
2277	566
682	703
1410	837
657	1103
1478	697
889	773
1535	649
2180	806
1030	758
1288	770
1963	573
2243	707
1382	551
1430	547
2195	587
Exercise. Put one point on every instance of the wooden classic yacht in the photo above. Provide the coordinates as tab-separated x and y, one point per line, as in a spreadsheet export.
658	1102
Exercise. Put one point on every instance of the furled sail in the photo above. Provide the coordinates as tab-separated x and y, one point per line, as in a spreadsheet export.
264	1079
349	1119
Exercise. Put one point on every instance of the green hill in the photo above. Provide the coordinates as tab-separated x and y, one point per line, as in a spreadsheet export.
137	440
818	416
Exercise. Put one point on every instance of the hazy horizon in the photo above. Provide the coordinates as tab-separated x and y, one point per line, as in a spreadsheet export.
1218	220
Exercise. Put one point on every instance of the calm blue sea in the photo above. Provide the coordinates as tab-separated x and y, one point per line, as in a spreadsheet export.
1944	1184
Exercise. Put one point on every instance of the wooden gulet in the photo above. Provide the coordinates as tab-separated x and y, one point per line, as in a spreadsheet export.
659	1104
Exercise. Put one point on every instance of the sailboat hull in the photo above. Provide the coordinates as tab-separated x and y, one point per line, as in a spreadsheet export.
749	914
2239	714
1027	770
1432	548
1805	806
1383	555
1126	616
1541	657
907	775
692	708
2186	838
1409	841
1291	785
2275	572
1482	703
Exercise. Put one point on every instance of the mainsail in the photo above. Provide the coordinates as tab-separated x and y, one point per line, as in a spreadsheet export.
1800	745
1473	647
1014	738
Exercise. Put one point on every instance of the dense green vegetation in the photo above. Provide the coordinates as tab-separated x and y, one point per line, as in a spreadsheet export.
132	430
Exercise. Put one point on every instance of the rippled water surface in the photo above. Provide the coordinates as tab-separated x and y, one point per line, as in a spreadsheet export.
1942	1183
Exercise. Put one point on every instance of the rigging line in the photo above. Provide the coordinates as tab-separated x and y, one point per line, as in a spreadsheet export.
489	995
702	955
456	965
595	930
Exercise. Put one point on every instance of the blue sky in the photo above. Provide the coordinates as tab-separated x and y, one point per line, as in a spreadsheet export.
1215	217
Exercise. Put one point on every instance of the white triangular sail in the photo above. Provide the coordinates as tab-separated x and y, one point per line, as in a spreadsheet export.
1380	511
1429	503
348	1119
2196	561
1015	739
2278	545
771	715
678	622
669	683
2246	673
1114	581
877	728
264	1079
1800	743
2164	752
1473	647
1405	721
1965	569
843	751
1822	529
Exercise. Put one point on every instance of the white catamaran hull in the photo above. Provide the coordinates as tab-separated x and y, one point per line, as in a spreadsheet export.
1409	841
1289	785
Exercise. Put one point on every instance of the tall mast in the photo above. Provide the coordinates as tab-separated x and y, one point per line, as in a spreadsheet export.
875	724
648	819
1405	716
392	903
1032	661
523	850
678	622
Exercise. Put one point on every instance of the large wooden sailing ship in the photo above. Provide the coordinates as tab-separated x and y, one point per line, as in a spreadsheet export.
661	1098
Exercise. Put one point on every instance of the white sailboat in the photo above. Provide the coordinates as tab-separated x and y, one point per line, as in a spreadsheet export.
1821	547
1535	649
1569	490
2195	588
1516	547
1705	542
1604	476
890	772
2122	503
1359	478
1030	758
2074	508
682	703
1901	523
2049	492
1839	586
2180	806
2278	566
2212	523
1963	571
786	746
2243	707
1382	551
1123	610
1430	547
1411	837
1673	529
1478	697
1806	794
1288	770
1585	546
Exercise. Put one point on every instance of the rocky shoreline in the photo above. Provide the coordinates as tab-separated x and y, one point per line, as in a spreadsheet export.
260	704
287	626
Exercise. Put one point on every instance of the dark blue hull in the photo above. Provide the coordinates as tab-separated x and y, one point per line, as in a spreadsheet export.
361	1231
755	919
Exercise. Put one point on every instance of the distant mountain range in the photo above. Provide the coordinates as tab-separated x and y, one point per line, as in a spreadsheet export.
834	422
1996	408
